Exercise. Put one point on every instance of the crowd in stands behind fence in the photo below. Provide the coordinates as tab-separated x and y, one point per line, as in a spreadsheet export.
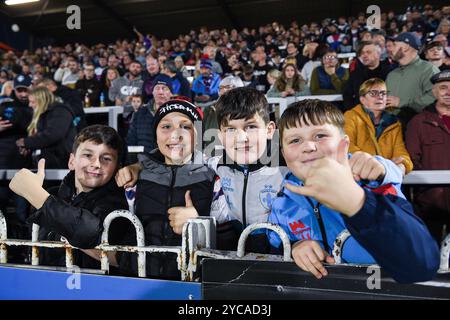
228	73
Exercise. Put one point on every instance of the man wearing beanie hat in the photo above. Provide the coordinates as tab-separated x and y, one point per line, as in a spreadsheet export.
139	133
206	86
174	184
409	85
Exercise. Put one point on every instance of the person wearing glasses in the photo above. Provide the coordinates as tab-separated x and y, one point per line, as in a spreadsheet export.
329	78
373	130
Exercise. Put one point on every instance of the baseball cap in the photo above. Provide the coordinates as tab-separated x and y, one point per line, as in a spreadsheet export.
409	38
441	76
22	81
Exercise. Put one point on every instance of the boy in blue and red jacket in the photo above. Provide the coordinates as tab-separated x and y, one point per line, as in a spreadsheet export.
321	198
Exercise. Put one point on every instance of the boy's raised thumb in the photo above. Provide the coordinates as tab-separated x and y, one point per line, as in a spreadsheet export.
187	198
41	168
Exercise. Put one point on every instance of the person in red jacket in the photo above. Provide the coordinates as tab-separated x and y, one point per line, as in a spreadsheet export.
428	143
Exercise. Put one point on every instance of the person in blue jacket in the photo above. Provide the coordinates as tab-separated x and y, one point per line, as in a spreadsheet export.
321	197
205	87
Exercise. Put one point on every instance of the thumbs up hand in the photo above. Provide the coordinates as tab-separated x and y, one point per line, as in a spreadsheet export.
331	182
178	216
29	185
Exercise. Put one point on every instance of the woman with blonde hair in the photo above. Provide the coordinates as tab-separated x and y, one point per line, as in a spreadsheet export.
272	76
51	130
290	83
373	130
7	89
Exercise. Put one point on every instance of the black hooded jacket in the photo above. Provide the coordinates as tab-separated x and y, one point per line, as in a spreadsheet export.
55	135
79	218
159	188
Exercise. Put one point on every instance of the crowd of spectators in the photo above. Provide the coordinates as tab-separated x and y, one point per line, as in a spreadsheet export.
280	60
226	52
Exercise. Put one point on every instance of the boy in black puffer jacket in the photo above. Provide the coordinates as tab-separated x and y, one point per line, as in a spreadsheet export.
174	184
86	196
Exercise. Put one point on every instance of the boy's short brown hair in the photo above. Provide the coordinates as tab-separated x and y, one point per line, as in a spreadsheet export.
241	103
137	96
310	112
100	134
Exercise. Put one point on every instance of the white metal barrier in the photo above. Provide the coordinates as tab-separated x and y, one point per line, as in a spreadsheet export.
412	178
140	239
113	113
198	240
265	225
427	177
284	102
135	149
339	245
444	266
445	255
104	247
349	55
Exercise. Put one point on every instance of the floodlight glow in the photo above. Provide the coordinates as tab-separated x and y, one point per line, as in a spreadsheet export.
14	2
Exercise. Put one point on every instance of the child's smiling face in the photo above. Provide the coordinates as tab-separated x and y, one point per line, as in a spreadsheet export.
303	144
246	140
94	165
175	136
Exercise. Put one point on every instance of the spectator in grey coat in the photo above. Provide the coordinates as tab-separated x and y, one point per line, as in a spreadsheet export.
130	84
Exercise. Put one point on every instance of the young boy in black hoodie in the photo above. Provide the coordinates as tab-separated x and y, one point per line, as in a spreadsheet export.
85	197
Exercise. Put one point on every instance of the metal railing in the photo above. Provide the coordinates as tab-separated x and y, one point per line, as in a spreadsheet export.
284	102
339	245
198	236
104	247
445	255
414	177
198	241
113	114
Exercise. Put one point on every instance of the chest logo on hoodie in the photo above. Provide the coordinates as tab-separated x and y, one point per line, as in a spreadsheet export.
266	196
129	90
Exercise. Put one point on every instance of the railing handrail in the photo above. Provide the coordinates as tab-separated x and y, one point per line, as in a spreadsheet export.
187	252
414	177
270	226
